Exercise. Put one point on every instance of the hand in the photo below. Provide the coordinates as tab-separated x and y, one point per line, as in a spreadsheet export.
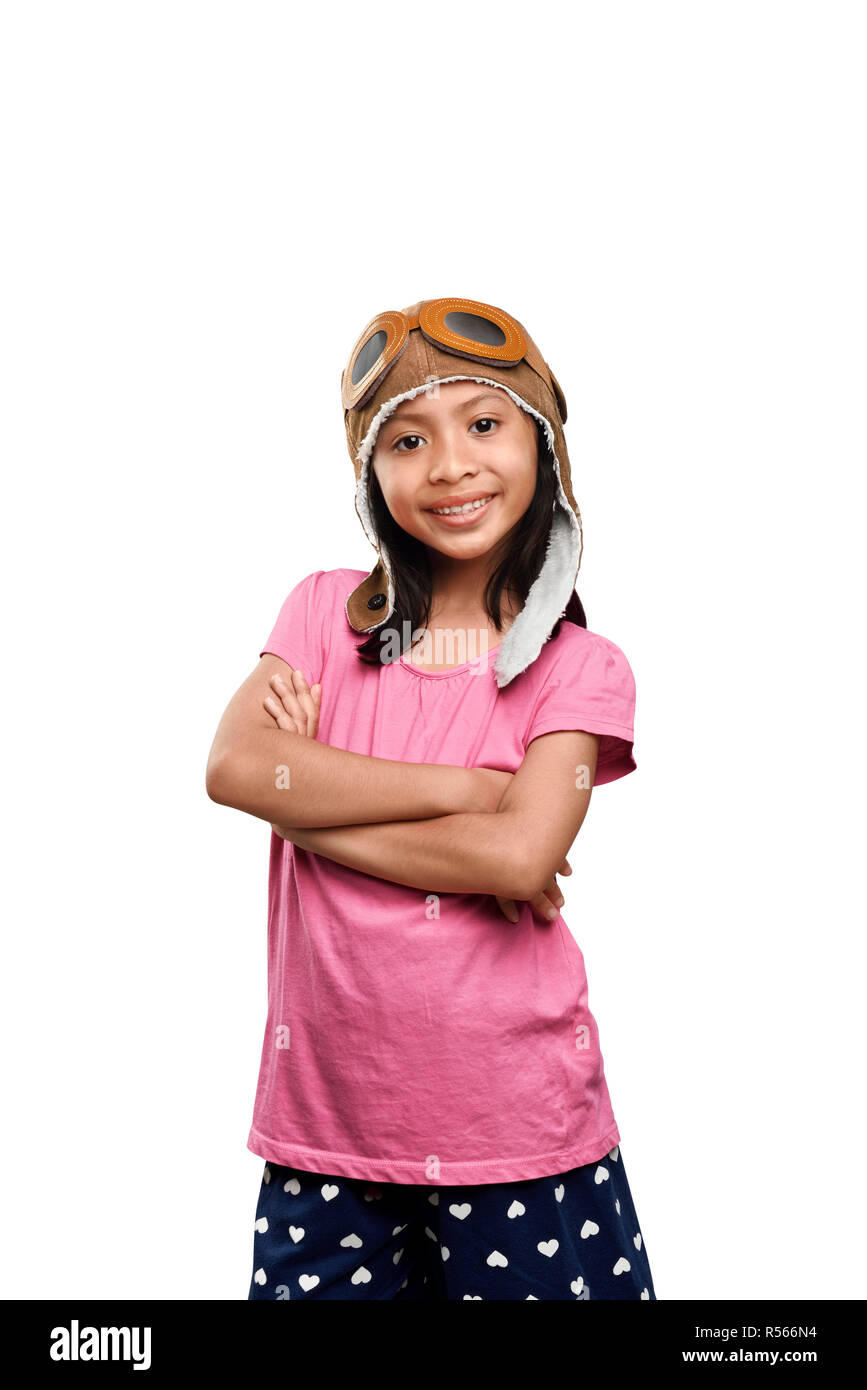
296	707
297	711
550	898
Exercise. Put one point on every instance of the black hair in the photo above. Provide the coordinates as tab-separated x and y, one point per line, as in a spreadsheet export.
514	575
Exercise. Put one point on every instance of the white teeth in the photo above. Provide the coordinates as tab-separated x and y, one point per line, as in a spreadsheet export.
468	507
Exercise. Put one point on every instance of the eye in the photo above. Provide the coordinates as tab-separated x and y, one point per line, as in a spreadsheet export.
403	440
483	420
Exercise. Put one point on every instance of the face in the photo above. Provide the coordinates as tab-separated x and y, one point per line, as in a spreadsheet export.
467	442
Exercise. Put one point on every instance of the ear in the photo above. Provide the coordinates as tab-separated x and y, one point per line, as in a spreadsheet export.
558	394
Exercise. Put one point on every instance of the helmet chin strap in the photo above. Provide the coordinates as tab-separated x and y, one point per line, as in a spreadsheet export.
549	594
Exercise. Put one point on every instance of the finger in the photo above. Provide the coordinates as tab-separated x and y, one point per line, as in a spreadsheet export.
304	702
553	892
508	907
279	715
543	904
290	702
307	702
285	690
316	697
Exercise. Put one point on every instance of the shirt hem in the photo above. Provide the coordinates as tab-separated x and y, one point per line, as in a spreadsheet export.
417	1172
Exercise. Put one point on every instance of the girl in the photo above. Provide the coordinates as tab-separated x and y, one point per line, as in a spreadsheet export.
432	1106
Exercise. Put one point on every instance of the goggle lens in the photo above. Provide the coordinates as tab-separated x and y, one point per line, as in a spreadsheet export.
476	328
369	355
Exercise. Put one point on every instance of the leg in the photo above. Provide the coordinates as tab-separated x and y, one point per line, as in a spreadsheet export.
318	1236
571	1236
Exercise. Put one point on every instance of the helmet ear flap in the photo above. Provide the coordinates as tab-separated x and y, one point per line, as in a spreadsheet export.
558	395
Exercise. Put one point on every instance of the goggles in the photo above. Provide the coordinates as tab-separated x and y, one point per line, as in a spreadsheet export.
464	327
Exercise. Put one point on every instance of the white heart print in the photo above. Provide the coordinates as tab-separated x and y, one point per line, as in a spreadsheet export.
460	1211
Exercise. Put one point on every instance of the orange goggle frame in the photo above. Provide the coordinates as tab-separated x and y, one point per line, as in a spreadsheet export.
464	327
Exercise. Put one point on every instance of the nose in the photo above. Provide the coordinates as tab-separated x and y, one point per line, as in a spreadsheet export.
449	457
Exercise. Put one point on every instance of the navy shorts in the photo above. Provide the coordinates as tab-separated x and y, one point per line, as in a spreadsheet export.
572	1235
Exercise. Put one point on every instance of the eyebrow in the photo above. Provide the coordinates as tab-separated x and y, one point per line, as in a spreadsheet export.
465	405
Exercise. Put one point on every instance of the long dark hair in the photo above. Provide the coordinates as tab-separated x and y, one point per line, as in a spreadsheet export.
514	575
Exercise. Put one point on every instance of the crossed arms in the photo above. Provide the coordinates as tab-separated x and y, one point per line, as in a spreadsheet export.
435	827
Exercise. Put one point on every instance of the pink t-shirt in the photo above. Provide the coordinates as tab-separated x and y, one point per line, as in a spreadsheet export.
419	1037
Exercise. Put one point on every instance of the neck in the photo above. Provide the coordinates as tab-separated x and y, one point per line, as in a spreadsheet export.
459	586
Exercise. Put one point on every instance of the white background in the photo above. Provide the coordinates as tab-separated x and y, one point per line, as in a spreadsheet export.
204	203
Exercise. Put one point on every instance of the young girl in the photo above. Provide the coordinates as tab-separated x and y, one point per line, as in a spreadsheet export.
432	1106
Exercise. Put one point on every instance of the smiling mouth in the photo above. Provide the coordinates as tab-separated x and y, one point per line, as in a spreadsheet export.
463	514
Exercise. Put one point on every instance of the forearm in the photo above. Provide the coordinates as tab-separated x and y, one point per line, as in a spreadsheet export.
477	852
292	780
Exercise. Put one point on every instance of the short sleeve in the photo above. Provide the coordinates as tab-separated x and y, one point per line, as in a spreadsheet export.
297	635
591	687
